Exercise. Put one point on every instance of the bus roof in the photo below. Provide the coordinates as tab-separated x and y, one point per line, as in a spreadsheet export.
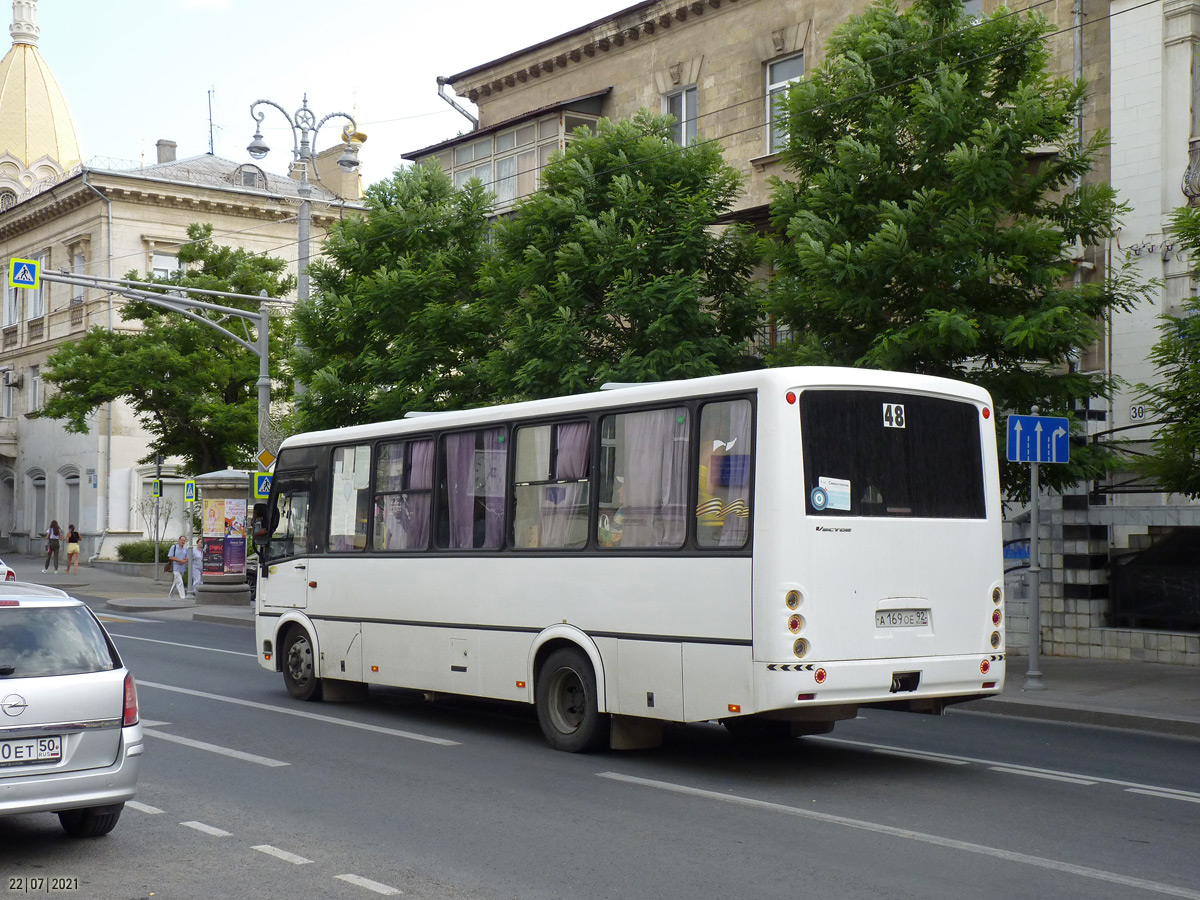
780	379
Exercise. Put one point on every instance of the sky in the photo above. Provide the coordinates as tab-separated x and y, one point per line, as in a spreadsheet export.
135	71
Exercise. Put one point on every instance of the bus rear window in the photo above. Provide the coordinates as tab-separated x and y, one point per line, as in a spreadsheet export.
873	453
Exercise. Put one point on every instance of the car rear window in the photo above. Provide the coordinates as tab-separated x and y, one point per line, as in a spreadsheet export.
40	640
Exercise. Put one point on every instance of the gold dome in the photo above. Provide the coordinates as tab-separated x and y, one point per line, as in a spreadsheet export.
35	121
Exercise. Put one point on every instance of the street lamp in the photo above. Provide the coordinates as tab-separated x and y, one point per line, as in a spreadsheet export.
304	127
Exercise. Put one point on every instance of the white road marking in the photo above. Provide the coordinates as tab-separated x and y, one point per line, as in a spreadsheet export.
112	617
281	854
927	757
152	723
370	885
213	748
908	834
1029	773
1132	786
378	729
207	829
142	807
1166	794
130	637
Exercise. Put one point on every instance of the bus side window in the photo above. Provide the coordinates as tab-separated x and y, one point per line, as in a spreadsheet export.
403	491
551	491
643	496
471	505
350	500
289	520
726	457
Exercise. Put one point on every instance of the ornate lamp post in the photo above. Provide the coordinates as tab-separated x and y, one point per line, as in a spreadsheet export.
304	127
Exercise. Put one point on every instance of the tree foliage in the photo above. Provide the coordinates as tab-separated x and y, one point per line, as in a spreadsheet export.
192	389
393	324
925	229
1174	464
613	270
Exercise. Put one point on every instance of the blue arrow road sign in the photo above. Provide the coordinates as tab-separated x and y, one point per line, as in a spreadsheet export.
1039	439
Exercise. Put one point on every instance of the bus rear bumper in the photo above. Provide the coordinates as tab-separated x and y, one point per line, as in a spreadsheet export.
918	684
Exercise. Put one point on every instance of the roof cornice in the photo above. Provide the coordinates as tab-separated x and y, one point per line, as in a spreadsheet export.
642	21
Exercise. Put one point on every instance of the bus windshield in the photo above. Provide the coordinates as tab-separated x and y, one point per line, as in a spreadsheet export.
873	453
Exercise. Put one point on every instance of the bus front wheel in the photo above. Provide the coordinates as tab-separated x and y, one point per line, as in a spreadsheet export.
567	706
299	673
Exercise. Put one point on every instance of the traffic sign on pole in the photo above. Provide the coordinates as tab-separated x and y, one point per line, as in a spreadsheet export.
156	488
24	273
1039	439
262	485
189	491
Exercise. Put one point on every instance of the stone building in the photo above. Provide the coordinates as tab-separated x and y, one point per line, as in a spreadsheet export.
104	219
714	65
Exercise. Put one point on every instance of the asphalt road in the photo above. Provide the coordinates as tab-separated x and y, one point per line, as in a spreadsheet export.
246	792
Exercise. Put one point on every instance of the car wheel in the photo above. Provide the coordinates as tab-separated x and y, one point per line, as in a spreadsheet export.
299	673
567	707
92	821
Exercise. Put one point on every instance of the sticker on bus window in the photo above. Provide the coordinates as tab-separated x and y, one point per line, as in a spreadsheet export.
837	492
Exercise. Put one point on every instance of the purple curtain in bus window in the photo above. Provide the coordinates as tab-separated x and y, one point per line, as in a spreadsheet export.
493	487
655	466
414	520
460	486
736	528
566	505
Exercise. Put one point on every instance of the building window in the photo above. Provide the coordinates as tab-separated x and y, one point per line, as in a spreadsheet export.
681	105
12	306
35	388
164	265
77	268
781	74
8	392
8	199
249	176
37	296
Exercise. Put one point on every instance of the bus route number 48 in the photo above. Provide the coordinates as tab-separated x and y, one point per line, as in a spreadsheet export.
893	415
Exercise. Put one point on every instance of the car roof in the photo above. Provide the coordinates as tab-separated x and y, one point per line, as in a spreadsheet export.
24	590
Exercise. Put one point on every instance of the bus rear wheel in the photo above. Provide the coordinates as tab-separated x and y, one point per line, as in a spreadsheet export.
299	673
567	706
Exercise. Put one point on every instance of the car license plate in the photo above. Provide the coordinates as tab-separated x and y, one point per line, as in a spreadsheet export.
901	618
30	751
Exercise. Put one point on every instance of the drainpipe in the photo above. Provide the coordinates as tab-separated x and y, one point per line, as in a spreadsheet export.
441	83
109	409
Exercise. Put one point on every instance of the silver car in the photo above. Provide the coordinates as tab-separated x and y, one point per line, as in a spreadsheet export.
70	738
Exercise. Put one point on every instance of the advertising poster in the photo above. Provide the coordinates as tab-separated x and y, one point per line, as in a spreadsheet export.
213	540
235	537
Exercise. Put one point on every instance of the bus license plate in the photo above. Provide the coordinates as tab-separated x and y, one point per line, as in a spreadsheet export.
30	751
901	618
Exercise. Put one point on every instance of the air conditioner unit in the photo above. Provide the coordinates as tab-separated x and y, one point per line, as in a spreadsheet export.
12	379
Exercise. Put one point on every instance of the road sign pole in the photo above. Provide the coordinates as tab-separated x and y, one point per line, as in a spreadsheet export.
1033	677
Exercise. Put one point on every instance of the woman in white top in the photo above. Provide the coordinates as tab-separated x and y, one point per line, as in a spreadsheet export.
53	536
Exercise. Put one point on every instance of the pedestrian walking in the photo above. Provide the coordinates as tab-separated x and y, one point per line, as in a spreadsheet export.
53	536
179	563
73	540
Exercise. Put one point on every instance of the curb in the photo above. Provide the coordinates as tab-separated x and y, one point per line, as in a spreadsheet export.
1083	715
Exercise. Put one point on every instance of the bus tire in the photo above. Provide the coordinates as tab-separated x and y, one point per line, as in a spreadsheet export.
568	709
299	672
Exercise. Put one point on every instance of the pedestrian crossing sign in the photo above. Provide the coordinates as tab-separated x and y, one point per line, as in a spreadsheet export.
262	485
156	488
24	273
189	491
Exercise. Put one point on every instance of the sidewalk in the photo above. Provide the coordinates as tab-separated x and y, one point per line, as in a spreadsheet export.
1142	696
130	594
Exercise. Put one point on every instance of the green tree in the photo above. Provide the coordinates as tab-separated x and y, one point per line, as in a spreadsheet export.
1174	464
924	230
393	324
192	389
613	271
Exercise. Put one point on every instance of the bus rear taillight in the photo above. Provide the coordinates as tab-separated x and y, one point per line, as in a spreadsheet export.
996	617
819	676
985	667
795	623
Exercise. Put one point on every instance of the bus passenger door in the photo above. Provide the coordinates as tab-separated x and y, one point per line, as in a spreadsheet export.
289	551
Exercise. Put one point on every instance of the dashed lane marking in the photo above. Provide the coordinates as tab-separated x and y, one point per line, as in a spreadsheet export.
143	807
207	829
130	637
910	835
317	717
213	748
1166	794
370	885
281	854
1029	773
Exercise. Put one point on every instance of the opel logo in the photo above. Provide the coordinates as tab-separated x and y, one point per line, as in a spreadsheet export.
13	705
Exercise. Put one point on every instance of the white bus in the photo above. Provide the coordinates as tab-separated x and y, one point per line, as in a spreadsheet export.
771	549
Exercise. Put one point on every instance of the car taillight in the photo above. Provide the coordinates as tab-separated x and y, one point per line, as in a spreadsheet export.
131	706
11	576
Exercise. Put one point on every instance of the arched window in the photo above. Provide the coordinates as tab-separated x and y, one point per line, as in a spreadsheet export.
8	199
